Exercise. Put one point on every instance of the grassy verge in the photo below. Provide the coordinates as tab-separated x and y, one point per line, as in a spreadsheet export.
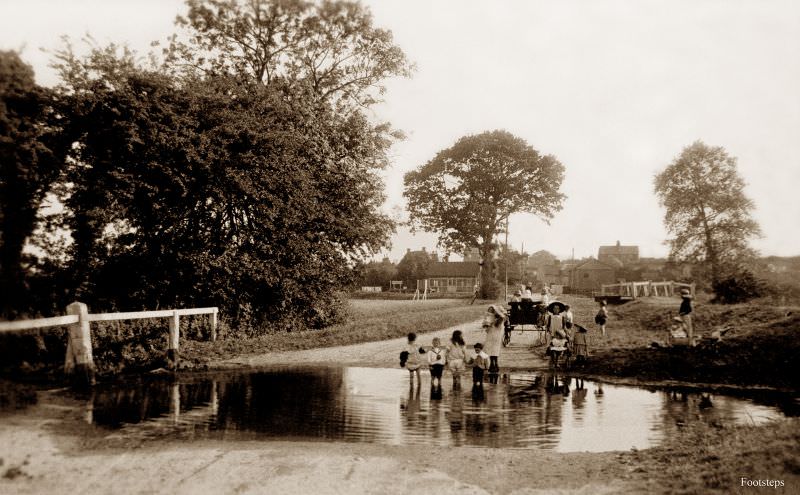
759	348
370	320
713	459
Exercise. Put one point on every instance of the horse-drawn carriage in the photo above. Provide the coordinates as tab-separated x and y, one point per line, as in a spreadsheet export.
525	315
529	315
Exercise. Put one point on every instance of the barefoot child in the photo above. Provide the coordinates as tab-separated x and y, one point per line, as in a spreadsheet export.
437	358
456	357
412	362
479	365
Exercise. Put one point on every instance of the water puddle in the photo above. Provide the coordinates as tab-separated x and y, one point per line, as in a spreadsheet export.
524	410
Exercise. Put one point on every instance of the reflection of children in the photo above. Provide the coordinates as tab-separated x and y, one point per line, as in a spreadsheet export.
437	358
412	357
479	365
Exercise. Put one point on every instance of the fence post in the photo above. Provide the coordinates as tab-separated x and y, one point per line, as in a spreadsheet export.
214	326
172	345
79	363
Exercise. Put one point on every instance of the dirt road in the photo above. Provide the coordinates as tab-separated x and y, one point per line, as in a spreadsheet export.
519	354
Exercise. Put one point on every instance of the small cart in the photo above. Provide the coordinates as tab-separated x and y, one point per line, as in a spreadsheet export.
525	315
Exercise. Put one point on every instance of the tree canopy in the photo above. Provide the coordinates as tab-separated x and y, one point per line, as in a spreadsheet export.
707	213
31	154
331	47
466	192
242	172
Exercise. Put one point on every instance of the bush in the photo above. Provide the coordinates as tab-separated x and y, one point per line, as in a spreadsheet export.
738	287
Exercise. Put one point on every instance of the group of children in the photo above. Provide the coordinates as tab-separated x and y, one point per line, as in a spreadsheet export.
455	357
564	335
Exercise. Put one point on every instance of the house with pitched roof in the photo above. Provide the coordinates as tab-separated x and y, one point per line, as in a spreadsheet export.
618	255
589	276
452	277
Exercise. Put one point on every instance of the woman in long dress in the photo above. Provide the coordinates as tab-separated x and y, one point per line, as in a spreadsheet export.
494	324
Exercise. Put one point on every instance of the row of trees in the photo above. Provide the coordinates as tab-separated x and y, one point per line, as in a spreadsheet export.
467	192
240	170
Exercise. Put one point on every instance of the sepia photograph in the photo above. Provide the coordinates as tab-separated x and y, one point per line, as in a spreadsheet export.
439	247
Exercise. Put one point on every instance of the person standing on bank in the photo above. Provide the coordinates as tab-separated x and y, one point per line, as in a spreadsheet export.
685	313
494	325
602	317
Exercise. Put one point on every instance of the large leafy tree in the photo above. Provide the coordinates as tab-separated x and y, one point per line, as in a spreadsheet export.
707	213
330	47
241	172
466	192
31	158
215	191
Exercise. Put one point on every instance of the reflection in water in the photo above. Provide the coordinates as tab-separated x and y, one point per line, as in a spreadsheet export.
521	410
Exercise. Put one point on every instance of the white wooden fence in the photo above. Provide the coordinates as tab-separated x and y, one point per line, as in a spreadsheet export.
632	290
79	361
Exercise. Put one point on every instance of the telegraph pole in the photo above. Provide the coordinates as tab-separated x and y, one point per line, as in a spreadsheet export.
505	286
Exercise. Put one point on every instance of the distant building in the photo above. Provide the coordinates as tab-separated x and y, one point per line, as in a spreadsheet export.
618	255
591	275
452	277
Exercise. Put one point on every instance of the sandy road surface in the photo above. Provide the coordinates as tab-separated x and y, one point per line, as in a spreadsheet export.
386	353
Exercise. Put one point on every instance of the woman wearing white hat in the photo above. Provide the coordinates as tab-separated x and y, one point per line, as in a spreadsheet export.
494	324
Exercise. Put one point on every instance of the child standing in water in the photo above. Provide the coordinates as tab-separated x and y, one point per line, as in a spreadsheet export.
437	358
456	356
412	357
479	365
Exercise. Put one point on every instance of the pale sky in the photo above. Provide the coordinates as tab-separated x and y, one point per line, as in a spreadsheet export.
613	89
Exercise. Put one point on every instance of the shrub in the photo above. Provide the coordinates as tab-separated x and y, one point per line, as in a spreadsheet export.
739	286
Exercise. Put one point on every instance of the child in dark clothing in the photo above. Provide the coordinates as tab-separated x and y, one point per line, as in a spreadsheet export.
480	363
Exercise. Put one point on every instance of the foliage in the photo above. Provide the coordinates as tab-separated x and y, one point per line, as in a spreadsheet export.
413	267
467	192
330	47
377	273
512	263
31	157
211	192
241	173
737	287
707	214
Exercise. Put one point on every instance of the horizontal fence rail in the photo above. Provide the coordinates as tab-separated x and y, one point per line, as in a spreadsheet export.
634	290
79	359
55	321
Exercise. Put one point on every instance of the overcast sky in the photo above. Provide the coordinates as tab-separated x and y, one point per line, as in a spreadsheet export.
613	89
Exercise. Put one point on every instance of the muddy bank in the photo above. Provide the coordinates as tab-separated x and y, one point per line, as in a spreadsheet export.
759	348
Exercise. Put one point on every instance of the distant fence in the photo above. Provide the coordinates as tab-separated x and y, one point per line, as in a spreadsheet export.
633	290
79	361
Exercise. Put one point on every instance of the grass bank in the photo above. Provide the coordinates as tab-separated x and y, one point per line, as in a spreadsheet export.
760	345
714	458
369	321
